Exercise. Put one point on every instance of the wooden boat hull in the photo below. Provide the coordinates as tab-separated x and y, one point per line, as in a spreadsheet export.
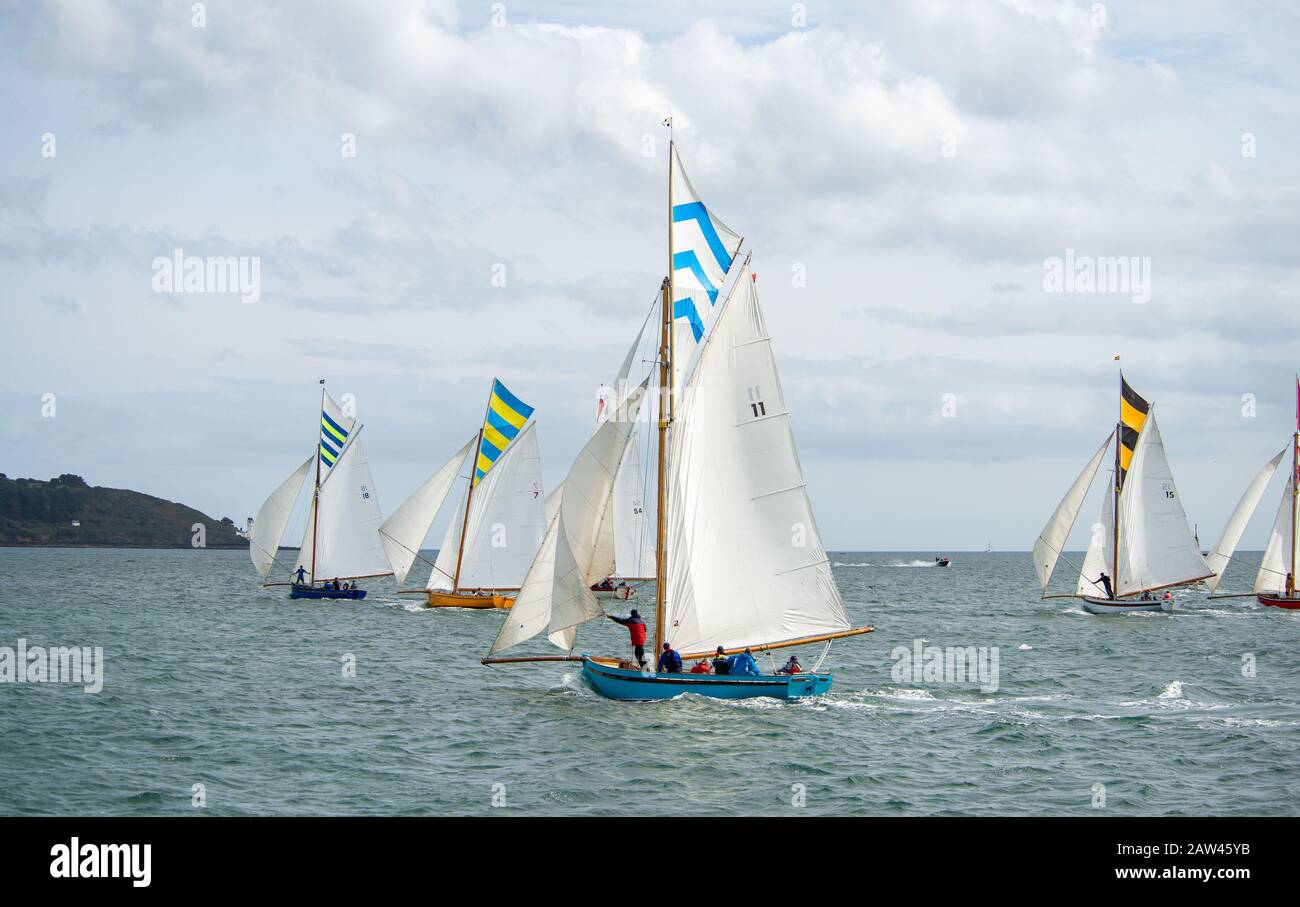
309	592
1279	601
1122	606
469	600
634	686
622	595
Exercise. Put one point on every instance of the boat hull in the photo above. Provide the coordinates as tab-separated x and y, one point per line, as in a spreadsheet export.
1279	601
483	600
634	686
622	595
1122	606
308	592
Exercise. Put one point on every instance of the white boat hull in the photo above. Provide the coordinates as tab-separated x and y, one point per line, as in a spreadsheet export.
1122	606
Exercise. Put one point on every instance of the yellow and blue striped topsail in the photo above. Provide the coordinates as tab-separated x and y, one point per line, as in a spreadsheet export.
335	426
506	416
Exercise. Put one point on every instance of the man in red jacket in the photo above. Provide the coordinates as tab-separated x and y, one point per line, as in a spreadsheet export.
636	629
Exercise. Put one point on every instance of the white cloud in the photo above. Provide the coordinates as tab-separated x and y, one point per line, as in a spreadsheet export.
523	147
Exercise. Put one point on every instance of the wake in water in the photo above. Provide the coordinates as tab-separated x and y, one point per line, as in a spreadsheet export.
916	563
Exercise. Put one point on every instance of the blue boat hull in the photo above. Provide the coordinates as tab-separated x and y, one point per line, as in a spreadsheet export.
309	592
633	686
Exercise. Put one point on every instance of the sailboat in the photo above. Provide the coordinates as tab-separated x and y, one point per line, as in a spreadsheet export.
1275	580
634	552
341	542
1142	535
739	561
499	520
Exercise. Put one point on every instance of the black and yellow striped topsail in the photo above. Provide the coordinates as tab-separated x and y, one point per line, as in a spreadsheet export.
1132	416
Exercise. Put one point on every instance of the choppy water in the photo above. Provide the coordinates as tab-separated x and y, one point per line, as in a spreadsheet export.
212	680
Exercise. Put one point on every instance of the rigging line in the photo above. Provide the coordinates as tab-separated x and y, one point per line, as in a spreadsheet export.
817	665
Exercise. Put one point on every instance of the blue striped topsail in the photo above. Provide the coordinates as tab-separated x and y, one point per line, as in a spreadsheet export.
335	427
506	416
703	250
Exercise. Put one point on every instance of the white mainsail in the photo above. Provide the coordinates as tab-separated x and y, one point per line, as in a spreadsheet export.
1279	555
1157	548
746	565
634	537
403	533
556	595
273	517
347	520
1227	545
507	518
1052	539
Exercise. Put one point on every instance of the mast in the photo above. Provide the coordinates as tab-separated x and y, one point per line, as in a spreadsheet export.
1114	561
469	496
665	399
315	500
1119	479
1295	464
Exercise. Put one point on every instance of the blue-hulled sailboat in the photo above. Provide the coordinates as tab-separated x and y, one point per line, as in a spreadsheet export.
341	543
739	561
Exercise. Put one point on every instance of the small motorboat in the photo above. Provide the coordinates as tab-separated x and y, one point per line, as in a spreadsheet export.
941	562
304	591
1097	605
630	684
609	591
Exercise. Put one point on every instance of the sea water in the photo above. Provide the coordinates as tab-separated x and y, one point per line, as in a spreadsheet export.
225	698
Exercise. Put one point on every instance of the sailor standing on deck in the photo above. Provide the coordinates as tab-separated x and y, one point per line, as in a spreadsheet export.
1105	582
302	576
636	630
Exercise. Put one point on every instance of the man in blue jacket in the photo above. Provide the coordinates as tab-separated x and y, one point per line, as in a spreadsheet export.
670	662
743	664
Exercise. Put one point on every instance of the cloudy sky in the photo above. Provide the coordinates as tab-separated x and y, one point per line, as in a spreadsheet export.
917	161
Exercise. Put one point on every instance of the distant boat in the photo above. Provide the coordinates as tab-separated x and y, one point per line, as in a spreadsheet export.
498	523
729	491
341	540
1156	549
1275	581
941	562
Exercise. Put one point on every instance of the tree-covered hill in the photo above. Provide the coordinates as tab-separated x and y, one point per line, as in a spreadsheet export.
33	512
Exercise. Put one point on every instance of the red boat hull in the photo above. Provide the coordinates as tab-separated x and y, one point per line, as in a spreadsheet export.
1279	601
